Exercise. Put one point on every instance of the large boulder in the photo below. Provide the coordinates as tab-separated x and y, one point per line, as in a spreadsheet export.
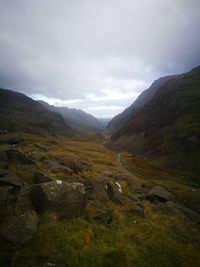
67	200
9	138
23	201
8	178
96	191
39	177
159	194
7	200
16	156
19	229
114	191
55	167
72	164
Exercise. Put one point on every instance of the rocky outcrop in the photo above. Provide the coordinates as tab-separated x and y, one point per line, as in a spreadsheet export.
7	200
9	138
8	178
55	167
114	191
19	229
16	156
39	177
159	194
66	200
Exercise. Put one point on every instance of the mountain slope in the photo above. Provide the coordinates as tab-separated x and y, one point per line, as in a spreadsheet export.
121	119
76	118
167	128
21	113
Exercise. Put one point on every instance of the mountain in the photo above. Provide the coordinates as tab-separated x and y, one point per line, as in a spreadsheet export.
166	126
21	113
76	118
121	119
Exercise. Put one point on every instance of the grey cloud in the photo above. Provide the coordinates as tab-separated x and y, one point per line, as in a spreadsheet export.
71	49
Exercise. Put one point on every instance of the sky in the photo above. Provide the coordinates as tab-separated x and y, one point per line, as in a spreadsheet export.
95	55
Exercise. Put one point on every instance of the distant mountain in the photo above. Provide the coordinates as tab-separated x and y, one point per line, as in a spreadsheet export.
21	113
121	119
76	118
165	125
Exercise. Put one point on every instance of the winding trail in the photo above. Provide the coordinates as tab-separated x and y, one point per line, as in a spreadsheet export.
122	166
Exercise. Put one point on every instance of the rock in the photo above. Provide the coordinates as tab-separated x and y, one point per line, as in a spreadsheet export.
67	200
3	156
3	165
114	191
54	166
39	177
134	196
38	156
19	229
159	194
7	200
8	178
105	217
96	191
11	139
72	164
23	201
16	156
186	211
136	210
83	165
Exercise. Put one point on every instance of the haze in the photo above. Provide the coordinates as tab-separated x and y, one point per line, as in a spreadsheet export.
95	55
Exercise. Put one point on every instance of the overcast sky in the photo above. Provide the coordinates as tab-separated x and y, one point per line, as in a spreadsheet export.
97	55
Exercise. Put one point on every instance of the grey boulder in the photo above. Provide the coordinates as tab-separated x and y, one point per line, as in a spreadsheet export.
159	194
67	200
21	228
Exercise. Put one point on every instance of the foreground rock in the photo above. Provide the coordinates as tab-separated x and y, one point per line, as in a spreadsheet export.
11	139
16	156
159	194
39	177
67	200
7	200
8	178
19	229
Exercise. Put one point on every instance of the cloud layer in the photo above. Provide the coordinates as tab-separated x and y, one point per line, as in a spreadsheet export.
97	55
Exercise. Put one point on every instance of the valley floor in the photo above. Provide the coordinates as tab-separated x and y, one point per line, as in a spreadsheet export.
123	224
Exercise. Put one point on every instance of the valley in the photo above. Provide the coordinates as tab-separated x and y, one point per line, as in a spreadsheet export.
117	221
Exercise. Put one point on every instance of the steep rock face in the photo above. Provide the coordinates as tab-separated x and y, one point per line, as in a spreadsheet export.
121	119
168	126
76	118
21	113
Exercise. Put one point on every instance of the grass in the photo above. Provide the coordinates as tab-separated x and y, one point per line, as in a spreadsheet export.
162	238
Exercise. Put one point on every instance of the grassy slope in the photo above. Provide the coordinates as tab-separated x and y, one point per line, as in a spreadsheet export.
167	129
162	238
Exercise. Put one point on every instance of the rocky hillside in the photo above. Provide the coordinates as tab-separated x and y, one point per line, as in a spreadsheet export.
77	118
166	128
21	113
70	203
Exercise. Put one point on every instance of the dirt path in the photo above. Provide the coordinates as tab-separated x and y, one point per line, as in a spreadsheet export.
122	166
